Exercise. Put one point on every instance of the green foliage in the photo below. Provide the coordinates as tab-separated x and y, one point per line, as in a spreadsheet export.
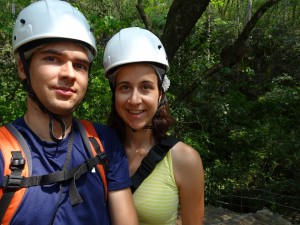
244	122
11	93
96	106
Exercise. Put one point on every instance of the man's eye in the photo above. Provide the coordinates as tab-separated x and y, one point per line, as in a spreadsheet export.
50	58
81	66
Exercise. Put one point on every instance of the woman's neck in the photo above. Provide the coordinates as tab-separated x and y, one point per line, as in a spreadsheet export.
139	139
137	146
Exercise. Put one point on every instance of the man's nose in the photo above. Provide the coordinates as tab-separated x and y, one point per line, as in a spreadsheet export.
67	70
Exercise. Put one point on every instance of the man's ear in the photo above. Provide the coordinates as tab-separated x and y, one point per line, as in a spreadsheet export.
21	70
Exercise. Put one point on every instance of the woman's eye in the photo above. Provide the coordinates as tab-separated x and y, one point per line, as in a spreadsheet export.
147	87
124	87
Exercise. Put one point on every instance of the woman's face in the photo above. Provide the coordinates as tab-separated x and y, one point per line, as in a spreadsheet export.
136	94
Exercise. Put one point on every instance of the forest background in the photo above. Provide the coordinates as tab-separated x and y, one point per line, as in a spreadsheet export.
234	91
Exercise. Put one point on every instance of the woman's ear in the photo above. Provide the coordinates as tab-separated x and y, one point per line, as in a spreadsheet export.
160	97
21	70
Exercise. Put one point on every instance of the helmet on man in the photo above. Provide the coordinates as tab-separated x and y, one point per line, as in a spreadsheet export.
45	20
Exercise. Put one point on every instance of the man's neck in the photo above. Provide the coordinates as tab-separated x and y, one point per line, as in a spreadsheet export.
38	122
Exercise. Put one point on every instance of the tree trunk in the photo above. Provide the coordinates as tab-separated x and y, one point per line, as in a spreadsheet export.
182	17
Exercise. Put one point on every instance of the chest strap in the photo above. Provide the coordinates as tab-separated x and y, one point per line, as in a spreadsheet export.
155	155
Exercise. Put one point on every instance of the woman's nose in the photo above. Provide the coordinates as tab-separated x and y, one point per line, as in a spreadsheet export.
135	97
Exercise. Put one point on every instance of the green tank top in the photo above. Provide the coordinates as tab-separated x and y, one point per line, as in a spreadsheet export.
156	200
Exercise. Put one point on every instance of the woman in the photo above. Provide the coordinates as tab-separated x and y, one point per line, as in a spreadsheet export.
135	63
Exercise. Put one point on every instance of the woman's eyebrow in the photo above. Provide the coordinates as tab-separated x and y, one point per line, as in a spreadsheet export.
122	82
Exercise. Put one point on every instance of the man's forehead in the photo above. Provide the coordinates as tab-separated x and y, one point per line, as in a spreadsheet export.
63	46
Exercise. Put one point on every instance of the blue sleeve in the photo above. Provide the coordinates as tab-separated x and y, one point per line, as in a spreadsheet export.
118	170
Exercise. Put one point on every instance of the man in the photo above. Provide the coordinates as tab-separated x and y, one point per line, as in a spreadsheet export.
55	47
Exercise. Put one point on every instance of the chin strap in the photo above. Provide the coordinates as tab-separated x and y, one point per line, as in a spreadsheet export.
148	127
61	123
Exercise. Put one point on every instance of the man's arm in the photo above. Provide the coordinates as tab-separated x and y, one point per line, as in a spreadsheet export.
121	207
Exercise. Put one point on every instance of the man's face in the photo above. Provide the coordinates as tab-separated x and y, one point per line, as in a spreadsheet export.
59	76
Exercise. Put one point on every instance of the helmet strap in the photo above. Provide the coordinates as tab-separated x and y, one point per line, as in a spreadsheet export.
25	67
62	124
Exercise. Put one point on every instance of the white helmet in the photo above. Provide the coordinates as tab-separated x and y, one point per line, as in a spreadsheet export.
51	19
132	45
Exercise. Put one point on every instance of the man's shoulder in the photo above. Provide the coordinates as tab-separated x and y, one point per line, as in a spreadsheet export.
103	129
106	133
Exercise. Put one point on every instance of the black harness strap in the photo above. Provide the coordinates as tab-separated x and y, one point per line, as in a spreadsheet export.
22	143
155	155
16	166
100	155
55	177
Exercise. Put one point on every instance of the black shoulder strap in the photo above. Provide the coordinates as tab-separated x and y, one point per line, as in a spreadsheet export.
155	155
23	143
87	140
90	137
16	165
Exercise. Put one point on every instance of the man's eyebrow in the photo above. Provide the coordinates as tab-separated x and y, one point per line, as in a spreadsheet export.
51	51
59	53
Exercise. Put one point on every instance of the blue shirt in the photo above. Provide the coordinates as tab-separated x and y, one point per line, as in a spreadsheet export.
42	204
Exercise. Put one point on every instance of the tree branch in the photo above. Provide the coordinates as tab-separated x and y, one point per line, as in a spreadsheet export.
141	11
232	54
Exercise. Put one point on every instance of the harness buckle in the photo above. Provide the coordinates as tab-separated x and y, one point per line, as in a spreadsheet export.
17	161
102	157
17	164
12	181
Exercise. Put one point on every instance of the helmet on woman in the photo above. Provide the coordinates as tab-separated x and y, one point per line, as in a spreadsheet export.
132	45
51	19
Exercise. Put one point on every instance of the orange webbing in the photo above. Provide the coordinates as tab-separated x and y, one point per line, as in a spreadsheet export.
8	143
91	132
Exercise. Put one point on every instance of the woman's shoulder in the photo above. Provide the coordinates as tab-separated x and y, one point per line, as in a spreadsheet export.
183	153
187	164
